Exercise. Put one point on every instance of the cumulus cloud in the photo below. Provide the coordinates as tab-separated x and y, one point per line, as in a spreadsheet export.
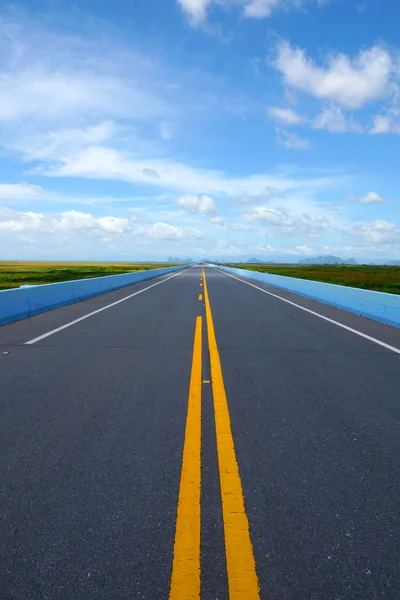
292	141
370	198
165	231
348	81
285	115
333	119
202	205
386	122
65	235
67	222
72	222
196	10
379	232
280	220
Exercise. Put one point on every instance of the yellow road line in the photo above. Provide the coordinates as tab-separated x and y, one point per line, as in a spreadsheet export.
200	296
185	579
242	576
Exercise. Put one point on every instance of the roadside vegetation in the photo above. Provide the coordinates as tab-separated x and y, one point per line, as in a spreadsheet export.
16	273
367	277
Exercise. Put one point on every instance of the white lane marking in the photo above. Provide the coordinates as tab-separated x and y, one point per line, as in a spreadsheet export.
363	335
95	312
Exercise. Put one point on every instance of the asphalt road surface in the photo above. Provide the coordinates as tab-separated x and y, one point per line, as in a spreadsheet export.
199	439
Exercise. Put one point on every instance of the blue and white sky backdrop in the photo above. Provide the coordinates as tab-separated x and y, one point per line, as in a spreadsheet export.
140	129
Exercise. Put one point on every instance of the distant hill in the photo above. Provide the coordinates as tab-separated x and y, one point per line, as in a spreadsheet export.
254	261
176	259
327	260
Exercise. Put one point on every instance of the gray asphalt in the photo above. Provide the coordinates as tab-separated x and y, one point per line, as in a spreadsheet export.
92	427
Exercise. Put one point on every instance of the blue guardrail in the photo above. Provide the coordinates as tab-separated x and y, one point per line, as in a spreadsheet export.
20	303
379	306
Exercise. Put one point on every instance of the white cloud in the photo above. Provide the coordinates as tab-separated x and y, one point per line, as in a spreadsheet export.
196	10
36	145
60	93
304	249
253	9
74	235
99	162
259	9
370	198
28	193
73	222
201	205
387	122
67	222
217	220
53	93
334	120
292	141
351	82
383	124
267	194
12	221
378	232
282	221
285	115
165	231
22	191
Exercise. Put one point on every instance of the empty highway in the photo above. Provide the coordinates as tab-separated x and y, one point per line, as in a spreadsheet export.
199	436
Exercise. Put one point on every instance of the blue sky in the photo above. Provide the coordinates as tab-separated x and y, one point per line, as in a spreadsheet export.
227	129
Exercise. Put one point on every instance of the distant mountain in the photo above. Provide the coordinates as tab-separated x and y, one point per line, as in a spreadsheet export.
254	261
327	260
176	259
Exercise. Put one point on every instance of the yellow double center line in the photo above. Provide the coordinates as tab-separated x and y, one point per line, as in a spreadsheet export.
185	580
241	568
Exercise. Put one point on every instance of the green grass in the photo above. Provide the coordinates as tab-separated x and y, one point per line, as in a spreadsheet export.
16	273
381	279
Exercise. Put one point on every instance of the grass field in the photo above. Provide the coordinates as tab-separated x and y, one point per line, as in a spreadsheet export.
14	274
382	279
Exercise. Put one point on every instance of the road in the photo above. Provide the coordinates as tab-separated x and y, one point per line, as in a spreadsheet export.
199	437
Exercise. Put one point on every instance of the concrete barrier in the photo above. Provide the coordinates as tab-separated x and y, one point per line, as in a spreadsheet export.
42	297
14	305
379	306
20	303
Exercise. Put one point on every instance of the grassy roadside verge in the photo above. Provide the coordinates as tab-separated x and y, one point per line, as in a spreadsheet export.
16	273
368	277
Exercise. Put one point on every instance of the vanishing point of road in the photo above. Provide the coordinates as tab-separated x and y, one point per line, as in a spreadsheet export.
199	436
